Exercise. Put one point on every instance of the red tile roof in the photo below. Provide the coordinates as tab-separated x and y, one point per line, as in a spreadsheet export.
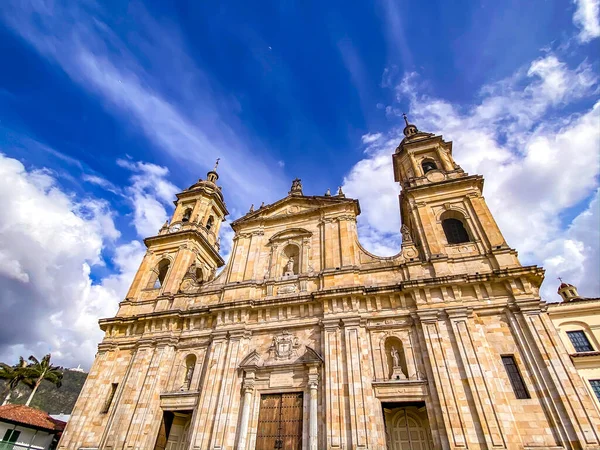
24	415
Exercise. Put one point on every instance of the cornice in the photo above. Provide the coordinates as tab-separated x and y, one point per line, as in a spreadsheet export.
182	236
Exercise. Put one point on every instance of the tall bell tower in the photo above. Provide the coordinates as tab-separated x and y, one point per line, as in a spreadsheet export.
444	210
185	252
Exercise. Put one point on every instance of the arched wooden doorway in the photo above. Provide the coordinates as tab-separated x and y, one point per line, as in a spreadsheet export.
407	429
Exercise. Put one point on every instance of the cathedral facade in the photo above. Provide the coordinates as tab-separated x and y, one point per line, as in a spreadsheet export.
306	341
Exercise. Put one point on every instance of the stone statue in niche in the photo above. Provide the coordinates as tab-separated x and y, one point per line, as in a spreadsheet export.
397	372
395	358
187	381
289	267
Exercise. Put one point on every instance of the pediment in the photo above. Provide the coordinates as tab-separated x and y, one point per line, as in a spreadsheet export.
293	205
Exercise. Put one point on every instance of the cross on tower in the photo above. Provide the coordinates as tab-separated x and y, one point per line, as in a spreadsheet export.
216	164
405	118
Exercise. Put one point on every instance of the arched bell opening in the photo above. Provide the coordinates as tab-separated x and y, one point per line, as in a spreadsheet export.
159	274
187	215
428	165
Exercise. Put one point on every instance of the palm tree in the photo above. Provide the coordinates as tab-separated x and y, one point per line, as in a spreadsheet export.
13	376
38	371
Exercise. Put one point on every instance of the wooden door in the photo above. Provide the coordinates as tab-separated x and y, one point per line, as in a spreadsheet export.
280	422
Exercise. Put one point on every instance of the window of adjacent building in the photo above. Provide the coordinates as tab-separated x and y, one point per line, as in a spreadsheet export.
596	388
580	341
111	396
10	437
455	231
516	380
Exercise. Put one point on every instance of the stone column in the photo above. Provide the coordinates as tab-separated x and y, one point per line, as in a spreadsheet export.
248	389
313	385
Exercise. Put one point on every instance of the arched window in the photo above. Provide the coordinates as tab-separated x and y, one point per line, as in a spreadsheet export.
428	165
190	364
455	231
187	215
210	222
159	274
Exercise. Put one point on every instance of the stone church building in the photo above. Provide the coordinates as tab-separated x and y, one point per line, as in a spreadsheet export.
306	341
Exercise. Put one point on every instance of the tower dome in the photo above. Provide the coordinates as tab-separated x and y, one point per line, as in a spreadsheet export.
567	291
410	129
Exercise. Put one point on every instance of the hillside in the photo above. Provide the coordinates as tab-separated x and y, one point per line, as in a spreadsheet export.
48	397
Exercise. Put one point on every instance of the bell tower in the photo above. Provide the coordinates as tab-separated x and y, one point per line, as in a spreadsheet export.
443	208
185	252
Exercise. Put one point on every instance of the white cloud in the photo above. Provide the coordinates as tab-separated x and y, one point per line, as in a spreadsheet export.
370	137
49	241
150	193
102	182
537	164
587	19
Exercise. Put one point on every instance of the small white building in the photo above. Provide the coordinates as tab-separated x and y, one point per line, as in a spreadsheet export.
25	428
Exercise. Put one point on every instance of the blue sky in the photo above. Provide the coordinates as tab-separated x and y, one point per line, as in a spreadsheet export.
107	109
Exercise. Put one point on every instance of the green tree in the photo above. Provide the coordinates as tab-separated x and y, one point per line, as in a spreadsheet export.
38	371
13	375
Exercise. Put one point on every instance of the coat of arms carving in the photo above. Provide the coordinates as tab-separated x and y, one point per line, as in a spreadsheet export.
284	346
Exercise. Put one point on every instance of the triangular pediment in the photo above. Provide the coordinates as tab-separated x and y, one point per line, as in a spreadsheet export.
296	205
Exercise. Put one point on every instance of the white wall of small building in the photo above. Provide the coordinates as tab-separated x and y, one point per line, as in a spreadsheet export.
29	437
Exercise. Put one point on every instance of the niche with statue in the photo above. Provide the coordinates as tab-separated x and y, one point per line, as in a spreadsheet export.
396	359
291	260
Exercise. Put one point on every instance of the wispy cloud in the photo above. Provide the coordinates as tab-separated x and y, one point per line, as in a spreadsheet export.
150	194
188	123
587	19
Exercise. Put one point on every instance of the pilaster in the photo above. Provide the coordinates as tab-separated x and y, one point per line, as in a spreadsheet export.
356	383
334	385
445	377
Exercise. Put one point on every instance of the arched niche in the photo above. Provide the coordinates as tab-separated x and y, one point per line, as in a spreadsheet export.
395	359
291	243
190	367
290	259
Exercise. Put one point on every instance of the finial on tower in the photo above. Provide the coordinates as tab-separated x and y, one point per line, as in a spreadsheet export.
213	175
296	188
409	129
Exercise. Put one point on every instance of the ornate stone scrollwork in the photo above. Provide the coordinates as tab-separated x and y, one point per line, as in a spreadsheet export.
284	347
287	289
